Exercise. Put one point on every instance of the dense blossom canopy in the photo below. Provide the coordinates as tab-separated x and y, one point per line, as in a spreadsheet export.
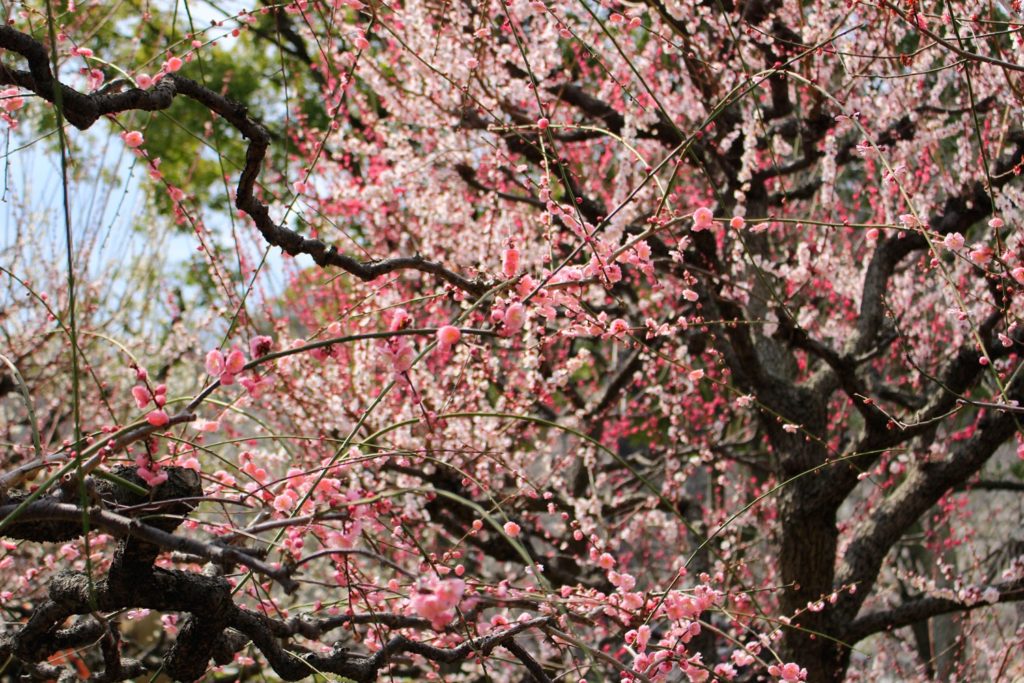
486	340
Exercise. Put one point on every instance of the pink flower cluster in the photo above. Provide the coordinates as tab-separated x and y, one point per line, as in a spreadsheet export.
398	352
142	395
437	600
149	470
790	672
226	367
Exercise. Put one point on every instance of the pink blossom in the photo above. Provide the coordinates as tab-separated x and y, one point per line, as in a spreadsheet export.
954	241
260	345
696	375
132	138
400	319
361	42
790	672
512	529
208	425
618	328
235	362
258	386
145	81
737	222
173	64
703	219
1018	274
981	254
726	671
690	295
447	337
510	262
515	316
10	100
284	502
995	223
152	478
606	561
437	600
399	354
214	363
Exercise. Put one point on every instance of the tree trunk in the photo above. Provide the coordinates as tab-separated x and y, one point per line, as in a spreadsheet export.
807	558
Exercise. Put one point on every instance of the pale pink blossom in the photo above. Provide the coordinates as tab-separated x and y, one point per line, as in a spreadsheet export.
981	254
447	337
235	362
954	241
214	363
618	328
703	219
515	316
790	672
512	529
510	262
11	100
132	138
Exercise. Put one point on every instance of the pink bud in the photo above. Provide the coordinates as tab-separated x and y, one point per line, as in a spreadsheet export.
141	396
543	122
157	418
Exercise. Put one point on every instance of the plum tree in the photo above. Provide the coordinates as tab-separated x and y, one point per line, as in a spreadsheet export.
546	340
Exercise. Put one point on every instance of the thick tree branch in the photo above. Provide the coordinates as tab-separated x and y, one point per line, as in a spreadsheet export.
925	607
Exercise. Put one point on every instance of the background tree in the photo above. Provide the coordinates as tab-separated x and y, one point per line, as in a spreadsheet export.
651	341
